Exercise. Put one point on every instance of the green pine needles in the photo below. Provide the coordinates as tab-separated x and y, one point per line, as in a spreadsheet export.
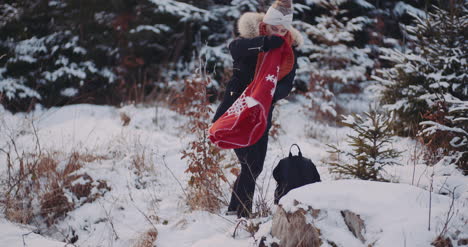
371	147
427	85
433	68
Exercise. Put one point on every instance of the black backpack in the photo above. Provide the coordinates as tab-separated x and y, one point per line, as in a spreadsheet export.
293	172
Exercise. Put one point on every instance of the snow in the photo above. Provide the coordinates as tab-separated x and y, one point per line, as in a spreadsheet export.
337	2
9	13
69	92
72	70
187	12
12	86
364	4
402	8
158	28
31	46
154	197
19	235
107	73
392	213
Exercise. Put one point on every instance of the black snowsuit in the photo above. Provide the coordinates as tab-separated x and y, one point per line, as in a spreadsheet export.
244	52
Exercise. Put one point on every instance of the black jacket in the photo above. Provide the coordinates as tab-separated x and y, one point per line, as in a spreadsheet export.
244	52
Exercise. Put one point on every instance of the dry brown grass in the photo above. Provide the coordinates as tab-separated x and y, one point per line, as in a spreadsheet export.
442	242
39	188
125	118
275	130
140	164
88	158
147	239
206	197
143	167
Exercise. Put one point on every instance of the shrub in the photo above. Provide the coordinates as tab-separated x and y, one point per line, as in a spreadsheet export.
45	188
370	140
204	159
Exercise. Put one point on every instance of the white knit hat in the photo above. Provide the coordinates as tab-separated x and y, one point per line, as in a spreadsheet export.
280	13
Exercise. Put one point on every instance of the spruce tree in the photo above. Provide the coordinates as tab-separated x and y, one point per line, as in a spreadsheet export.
433	68
427	86
371	141
63	52
337	63
446	133
55	53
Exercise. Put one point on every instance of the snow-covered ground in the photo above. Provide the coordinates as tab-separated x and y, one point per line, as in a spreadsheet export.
393	214
141	200
19	235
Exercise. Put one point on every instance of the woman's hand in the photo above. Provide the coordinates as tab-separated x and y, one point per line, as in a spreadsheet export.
272	42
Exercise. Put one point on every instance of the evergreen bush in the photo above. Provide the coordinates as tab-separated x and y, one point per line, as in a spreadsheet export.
371	140
427	86
431	71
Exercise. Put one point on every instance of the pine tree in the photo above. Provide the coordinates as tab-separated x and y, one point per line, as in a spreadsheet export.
52	56
371	141
428	86
446	133
78	51
336	63
132	51
433	70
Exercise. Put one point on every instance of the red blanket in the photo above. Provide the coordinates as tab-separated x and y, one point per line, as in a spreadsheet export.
245	121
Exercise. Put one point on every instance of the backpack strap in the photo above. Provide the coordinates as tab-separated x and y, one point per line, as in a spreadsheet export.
290	154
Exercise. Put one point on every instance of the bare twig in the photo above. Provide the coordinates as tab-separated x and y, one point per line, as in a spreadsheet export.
37	137
224	218
181	187
109	219
139	210
430	199
263	205
9	165
404	239
21	174
414	158
237	226
442	186
450	213
424	172
24	235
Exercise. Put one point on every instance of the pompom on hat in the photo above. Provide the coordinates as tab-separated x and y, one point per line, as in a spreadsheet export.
280	13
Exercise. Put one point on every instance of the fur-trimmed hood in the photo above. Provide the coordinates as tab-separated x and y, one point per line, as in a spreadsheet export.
248	27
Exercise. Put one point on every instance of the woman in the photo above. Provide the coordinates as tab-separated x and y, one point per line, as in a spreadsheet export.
258	33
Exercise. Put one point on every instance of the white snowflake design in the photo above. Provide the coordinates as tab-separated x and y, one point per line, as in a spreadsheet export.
239	105
271	78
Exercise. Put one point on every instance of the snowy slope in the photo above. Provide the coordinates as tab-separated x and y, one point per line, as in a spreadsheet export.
17	235
154	198
394	214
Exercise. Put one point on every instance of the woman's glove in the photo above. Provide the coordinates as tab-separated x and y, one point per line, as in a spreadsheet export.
272	42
